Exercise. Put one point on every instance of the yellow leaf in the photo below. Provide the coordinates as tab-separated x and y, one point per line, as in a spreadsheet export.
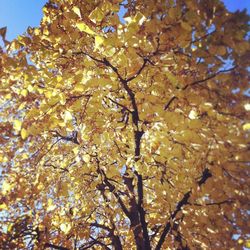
62	98
50	206
24	92
17	125
240	241
3	207
83	27
109	51
75	150
86	158
247	106
65	227
24	133
77	11
96	15
98	41
79	87
30	88
247	244
172	78
67	116
59	78
6	187
193	115
246	126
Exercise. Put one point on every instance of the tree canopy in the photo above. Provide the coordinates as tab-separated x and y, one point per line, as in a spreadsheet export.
126	132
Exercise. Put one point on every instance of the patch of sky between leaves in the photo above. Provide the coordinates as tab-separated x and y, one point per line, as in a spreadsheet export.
122	12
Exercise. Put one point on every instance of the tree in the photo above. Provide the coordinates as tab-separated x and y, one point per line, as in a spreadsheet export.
126	133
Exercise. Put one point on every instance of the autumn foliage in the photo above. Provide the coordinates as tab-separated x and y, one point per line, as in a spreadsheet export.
124	126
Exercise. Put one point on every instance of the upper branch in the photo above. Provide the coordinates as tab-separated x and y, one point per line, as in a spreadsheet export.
208	77
145	60
198	82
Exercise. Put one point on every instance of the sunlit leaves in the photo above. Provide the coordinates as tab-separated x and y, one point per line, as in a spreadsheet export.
50	205
96	15
67	116
193	115
98	41
77	11
246	126
24	133
6	187
92	102
65	227
85	28
17	124
247	106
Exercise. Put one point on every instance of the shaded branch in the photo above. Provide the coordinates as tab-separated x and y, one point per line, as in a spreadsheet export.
72	138
112	190
169	102
48	245
208	78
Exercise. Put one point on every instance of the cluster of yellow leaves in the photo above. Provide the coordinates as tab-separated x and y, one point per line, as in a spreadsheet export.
71	117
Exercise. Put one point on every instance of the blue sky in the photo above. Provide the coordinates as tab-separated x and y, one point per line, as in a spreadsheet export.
17	15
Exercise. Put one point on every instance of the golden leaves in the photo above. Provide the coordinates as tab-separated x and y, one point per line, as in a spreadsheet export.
6	187
246	126
77	10
247	106
193	114
65	227
86	158
85	28
24	92
172	78
98	41
50	205
96	15
67	116
24	133
17	124
79	102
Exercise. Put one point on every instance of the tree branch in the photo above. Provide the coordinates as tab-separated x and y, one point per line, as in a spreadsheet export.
72	138
118	104
184	201
208	78
169	102
142	212
47	245
213	203
145	60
